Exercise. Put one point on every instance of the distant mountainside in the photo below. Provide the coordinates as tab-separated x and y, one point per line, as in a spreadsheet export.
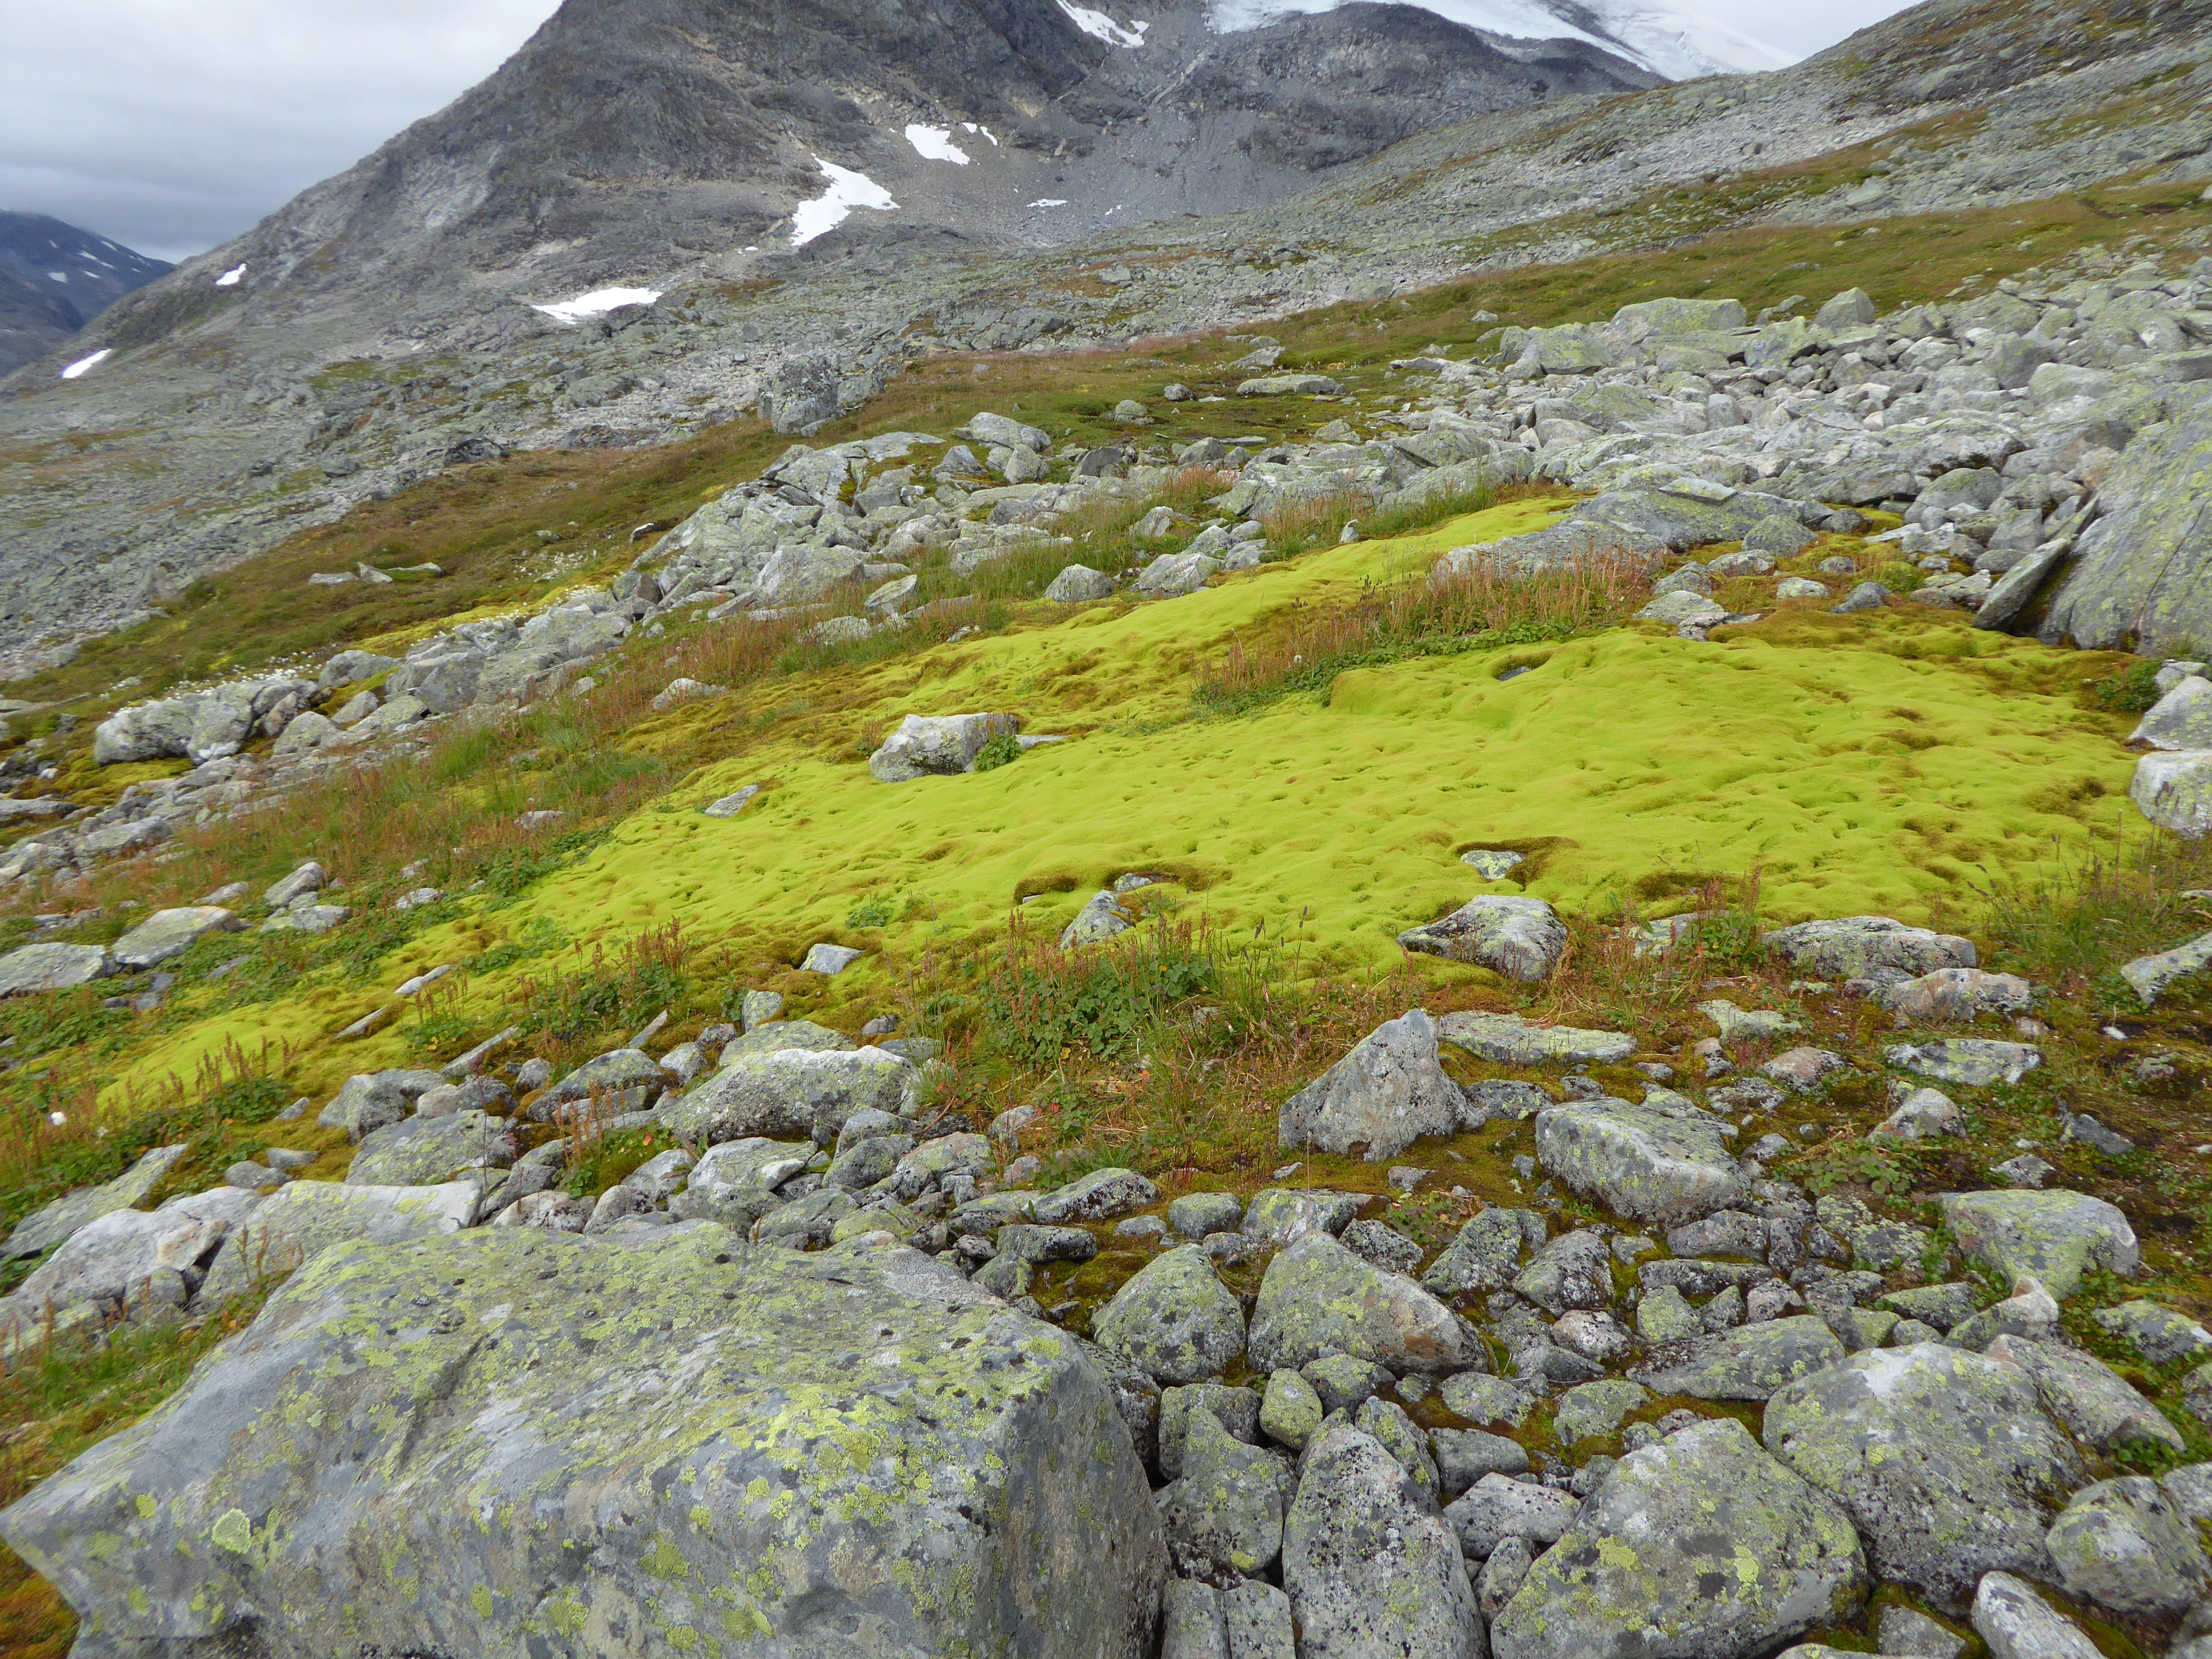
55	278
1679	42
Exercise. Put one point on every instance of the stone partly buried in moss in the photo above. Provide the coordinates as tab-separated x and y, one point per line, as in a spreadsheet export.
2174	791
1520	937
1650	1163
1282	1215
1509	1040
2159	1334
167	933
1175	1318
1597	1408
1318	1298
52	966
2148	977
1370	1567
1747	1363
1944	1460
1852	947
939	745
1384	1095
515	1441
1102	1195
1967	1062
792	1093
2054	1236
1699	1544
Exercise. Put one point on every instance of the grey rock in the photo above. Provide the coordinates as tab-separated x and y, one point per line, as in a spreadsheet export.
1511	1041
1487	1254
2174	791
128	1264
1943	1459
1389	1090
828	960
1702	1536
1102	917
1504	1571
1257	1618
2122	1545
1968	1062
791	1093
1572	1271
1175	1318
1865	596
305	1217
1480	1398
1343	1381
2159	1334
2150	976
1077	584
1317	1298
1392	1251
937	745
2018	1623
1196	1214
30	969
1225	1511
1903	1630
974	1441
1751	1362
1368	1568
2054	1236
1279	1216
427	1152
1498	1507
1852	947
1520	937
2092	1401
1940	1305
1291	1410
1596	1409
1190	1622
1643	1162
1395	1432
54	1223
1099	1196
1465	1455
167	933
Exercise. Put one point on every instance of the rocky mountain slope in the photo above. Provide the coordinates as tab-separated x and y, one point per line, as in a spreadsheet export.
54	278
229	418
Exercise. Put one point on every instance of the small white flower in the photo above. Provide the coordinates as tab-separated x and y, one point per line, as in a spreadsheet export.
57	1118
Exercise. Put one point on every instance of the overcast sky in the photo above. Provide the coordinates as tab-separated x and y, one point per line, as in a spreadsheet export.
173	127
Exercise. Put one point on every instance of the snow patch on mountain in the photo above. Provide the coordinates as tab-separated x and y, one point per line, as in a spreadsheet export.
847	190
83	365
1675	41
597	303
935	143
1099	25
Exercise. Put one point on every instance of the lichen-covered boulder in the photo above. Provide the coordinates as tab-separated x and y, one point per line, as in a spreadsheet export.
1176	1319
1943	1459
52	966
44	1229
791	1093
513	1441
1384	1095
2054	1237
1282	1215
1520	937
2088	1396
1370	1567
1573	1270
2174	791
1224	1516
1317	1297
302	1219
1647	1162
1510	1040
137	1264
1747	1363
1487	1254
937	745
167	933
1700	1546
1099	1196
1851	947
424	1151
2123	1545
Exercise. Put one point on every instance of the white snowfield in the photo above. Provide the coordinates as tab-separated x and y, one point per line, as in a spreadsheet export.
1099	25
597	303
934	143
847	190
1673	39
232	277
83	364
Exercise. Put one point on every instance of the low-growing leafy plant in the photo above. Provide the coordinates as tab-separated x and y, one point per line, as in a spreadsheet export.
2130	692
1001	748
874	911
1101	1000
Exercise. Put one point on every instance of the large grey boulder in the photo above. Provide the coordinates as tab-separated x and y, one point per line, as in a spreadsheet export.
2054	1237
135	1264
2091	1400
1172	575
44	1228
1943	1459
1371	1568
1648	1162
1575	1270
1175	1318
426	1152
1077	584
1317	1297
1223	1515
1497	1507
937	745
307	1216
791	1093
1700	1546
2123	1545
1282	1215
1519	938
513	1438
1384	1095
2143	570
1852	947
167	933
2182	718
1099	1196
1486	1256
2019	1624
53	967
622	1080
548	641
2174	791
1750	1363
151	731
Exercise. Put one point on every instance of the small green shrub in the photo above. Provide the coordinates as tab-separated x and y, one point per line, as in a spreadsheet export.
874	911
1899	577
2129	693
1105	999
1003	749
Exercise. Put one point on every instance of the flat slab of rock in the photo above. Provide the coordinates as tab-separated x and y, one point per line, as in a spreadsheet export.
1849	947
918	1462
1102	1195
2053	1236
1703	1537
1750	1363
1965	1062
167	933
2148	977
1641	1161
44	1229
1519	938
791	1094
130	1262
299	1221
1317	1297
1384	1095
35	968
1943	1459
1509	1040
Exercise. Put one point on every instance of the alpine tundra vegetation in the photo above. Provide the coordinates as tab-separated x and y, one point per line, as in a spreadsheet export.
1463	913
